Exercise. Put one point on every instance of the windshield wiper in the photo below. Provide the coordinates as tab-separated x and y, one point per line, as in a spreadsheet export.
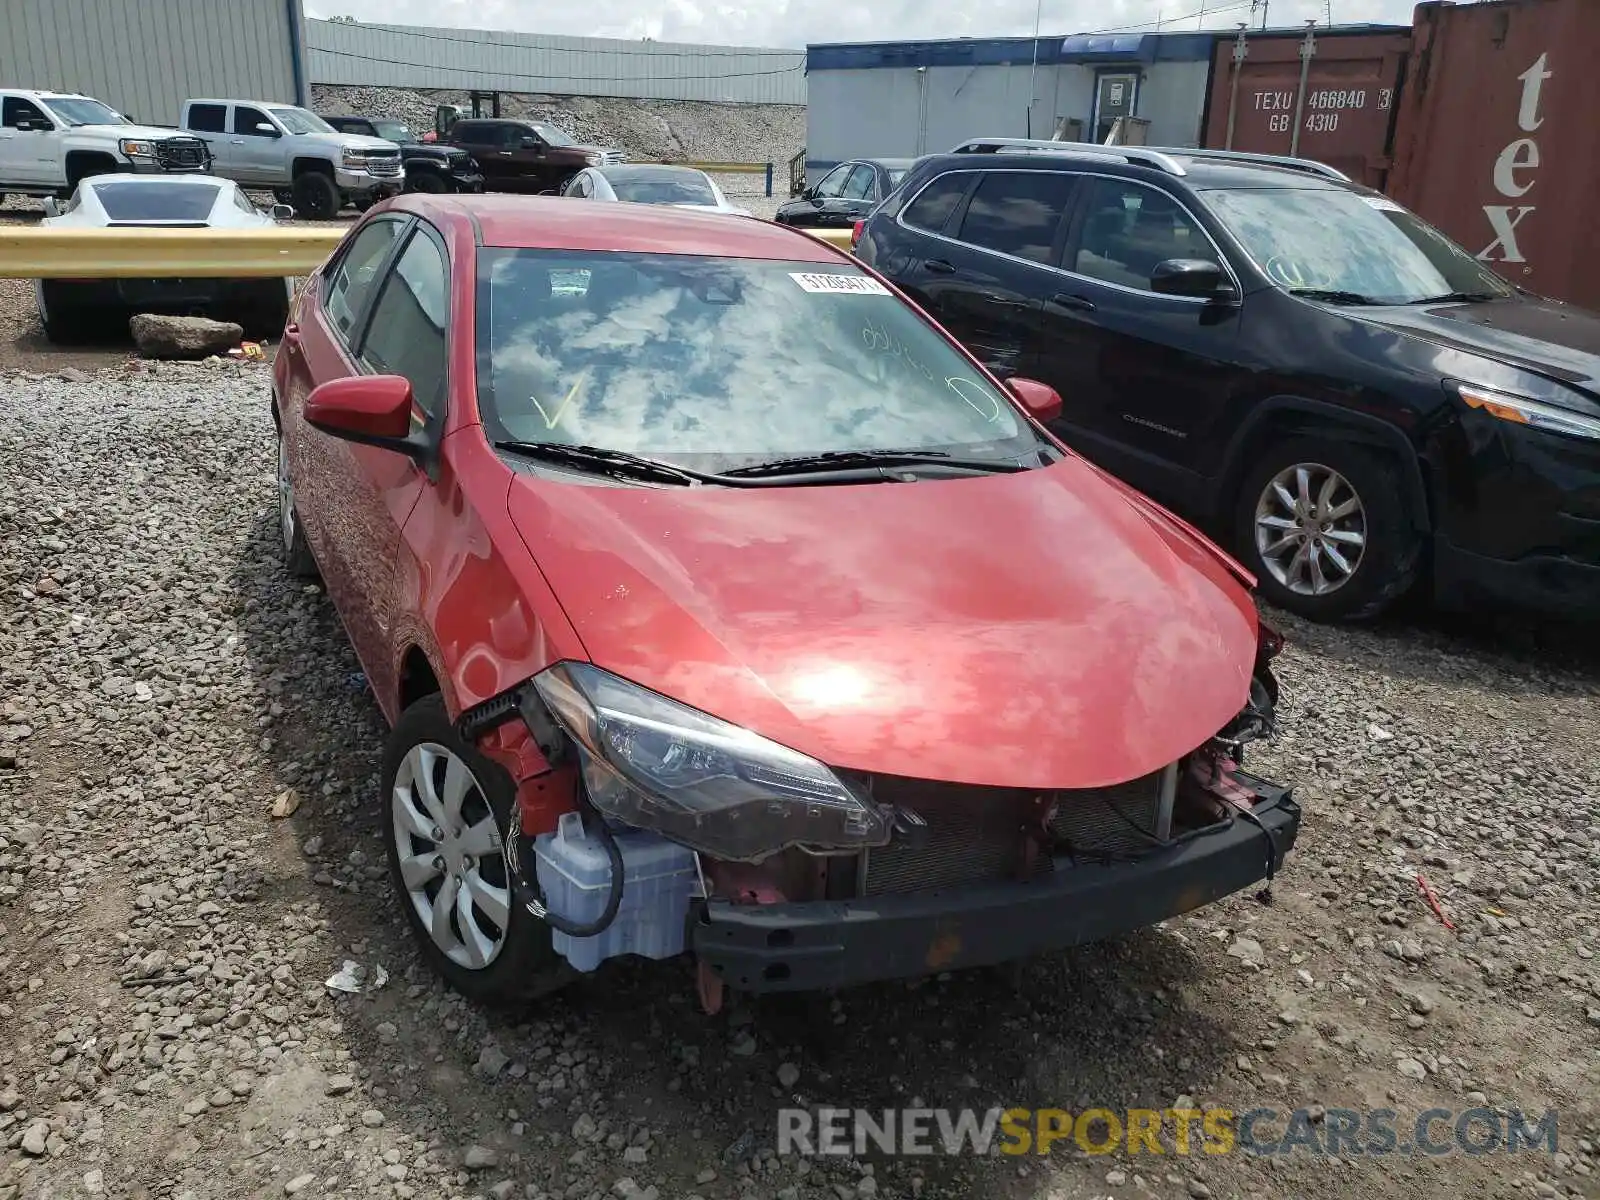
1334	296
1457	298
614	462
840	460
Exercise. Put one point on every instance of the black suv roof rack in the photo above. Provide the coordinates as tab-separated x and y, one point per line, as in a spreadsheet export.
1308	165
1142	155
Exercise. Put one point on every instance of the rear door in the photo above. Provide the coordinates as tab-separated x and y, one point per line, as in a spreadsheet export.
209	123
1141	375
986	280
480	139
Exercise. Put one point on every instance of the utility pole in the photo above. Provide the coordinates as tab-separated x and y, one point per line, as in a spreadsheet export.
1201	18
1033	71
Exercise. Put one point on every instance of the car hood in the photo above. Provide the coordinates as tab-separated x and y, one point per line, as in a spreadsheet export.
142	132
1028	630
354	141
1543	336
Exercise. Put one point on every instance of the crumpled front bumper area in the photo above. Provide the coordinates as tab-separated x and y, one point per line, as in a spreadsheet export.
827	944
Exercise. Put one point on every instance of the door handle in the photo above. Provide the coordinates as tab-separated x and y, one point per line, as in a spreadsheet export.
939	267
238	141
1067	300
504	153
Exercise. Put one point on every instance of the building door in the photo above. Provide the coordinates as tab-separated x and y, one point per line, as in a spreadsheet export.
1115	95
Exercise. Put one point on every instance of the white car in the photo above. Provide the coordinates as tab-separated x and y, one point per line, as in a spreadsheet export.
644	183
75	309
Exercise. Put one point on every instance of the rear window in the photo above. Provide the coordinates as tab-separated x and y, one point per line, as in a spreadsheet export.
719	362
687	190
207	118
156	200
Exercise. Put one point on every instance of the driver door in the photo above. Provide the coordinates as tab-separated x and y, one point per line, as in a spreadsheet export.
254	156
824	201
26	155
526	156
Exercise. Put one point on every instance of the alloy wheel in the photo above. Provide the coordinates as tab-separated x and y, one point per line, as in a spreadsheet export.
452	861
1310	529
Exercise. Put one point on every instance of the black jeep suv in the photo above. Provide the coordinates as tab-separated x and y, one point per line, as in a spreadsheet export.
1318	376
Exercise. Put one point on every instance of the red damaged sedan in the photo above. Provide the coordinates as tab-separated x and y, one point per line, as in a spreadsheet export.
721	603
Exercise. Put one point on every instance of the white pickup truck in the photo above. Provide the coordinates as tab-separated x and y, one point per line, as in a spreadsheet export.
295	154
50	141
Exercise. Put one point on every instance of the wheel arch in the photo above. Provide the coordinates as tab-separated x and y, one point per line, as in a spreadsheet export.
320	166
1280	418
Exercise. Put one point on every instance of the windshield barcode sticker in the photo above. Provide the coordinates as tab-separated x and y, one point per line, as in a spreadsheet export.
850	285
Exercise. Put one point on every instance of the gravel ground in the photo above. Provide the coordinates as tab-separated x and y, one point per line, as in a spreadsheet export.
165	1030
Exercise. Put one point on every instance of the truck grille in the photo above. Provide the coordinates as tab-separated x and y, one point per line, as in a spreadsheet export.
182	154
610	158
383	162
976	834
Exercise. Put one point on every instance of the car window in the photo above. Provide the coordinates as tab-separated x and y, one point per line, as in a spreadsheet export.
352	279
208	118
16	110
1129	228
242	202
680	355
245	120
132	199
1018	212
407	333
1330	239
934	204
859	185
833	182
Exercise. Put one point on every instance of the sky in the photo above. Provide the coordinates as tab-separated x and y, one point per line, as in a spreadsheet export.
797	22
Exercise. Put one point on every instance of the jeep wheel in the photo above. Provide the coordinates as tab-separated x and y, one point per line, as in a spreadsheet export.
447	809
425	182
1325	529
315	196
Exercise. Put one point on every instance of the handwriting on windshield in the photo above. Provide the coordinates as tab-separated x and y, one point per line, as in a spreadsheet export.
879	339
979	398
552	420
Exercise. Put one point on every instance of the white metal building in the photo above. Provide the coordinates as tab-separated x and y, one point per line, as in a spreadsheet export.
146	57
903	99
418	57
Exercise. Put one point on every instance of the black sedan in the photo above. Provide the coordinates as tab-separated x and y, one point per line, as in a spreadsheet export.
845	194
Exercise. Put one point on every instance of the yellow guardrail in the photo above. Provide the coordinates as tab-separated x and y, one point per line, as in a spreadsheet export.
29	252
36	253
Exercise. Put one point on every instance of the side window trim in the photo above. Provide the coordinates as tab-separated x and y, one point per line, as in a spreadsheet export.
1080	218
416	227
351	344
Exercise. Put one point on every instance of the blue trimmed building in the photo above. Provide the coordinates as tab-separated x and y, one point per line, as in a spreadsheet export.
902	99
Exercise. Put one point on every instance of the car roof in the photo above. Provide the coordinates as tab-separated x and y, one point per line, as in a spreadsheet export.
647	171
158	181
1199	173
556	223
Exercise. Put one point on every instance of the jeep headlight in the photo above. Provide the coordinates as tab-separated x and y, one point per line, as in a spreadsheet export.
1521	411
711	785
353	158
135	148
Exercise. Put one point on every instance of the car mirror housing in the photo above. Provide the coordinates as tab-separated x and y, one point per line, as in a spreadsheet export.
372	410
282	212
1193	277
1041	401
263	127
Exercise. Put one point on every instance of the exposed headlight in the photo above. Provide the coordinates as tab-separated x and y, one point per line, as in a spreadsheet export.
1521	411
353	158
594	160
661	765
134	148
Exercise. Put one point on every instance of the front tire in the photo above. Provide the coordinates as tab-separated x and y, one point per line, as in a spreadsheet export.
315	196
446	812
1325	528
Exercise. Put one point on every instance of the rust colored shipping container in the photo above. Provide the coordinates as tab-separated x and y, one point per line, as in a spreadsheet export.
1496	140
1339	109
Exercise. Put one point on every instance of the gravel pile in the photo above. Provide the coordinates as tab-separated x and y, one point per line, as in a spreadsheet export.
166	1031
646	129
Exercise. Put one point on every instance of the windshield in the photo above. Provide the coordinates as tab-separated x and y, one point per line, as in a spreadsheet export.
394	131
552	135
298	120
720	362
684	190
156	199
83	111
1337	241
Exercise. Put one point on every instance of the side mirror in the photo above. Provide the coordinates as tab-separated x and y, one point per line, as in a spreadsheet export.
282	212
1193	277
269	130
373	410
29	125
1041	401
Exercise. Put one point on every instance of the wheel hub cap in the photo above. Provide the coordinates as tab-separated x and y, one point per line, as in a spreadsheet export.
452	862
1311	529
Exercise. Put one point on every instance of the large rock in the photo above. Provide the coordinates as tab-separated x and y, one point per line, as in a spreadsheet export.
182	337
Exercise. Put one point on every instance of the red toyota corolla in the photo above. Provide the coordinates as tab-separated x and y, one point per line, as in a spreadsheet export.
721	603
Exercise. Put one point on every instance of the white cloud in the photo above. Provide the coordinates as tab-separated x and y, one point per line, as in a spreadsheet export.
797	22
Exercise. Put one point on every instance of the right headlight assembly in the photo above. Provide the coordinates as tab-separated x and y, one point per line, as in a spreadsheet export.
1534	413
711	785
